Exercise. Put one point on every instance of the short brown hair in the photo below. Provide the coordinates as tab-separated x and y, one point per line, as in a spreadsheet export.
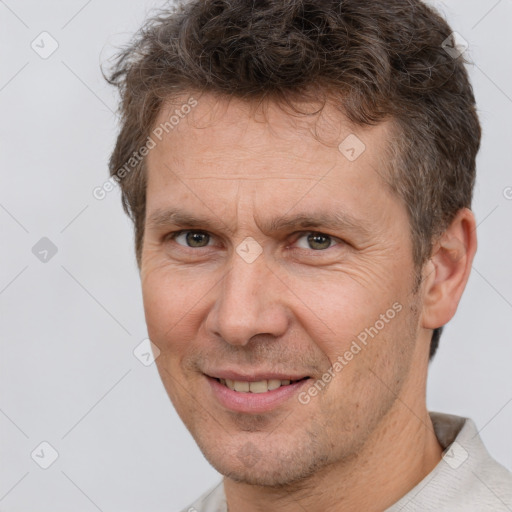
375	59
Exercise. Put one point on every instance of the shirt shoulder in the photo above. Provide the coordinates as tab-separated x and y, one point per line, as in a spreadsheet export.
213	500
466	479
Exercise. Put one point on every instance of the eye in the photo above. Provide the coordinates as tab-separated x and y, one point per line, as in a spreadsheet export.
192	239
316	241
312	240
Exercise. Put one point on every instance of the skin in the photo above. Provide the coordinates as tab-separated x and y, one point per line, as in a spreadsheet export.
366	439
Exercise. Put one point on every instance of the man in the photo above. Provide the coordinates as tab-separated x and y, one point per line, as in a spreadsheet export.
300	176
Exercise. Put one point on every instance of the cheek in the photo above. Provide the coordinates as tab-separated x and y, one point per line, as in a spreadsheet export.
340	310
171	306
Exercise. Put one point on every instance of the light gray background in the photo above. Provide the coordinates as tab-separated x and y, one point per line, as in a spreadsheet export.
69	326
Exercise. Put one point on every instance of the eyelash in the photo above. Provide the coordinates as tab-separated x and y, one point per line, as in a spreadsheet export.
175	234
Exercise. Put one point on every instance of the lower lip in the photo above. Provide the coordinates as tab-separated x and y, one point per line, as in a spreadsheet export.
254	402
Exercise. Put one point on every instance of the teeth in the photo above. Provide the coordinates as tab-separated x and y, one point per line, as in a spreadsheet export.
273	384
261	386
240	385
258	387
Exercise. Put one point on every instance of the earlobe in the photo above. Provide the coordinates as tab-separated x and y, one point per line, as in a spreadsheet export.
448	269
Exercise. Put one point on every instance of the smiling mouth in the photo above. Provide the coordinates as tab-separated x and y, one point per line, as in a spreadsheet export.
260	386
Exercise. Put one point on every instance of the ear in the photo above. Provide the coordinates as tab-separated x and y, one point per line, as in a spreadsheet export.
447	271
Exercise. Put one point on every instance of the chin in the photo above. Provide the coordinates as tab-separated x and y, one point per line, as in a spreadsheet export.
263	465
263	475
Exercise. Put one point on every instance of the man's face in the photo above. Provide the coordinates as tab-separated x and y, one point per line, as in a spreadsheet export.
286	303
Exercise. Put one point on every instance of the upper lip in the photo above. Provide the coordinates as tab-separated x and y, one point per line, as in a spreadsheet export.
253	376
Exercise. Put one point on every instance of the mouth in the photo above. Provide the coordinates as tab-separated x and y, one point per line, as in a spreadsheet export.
259	386
245	394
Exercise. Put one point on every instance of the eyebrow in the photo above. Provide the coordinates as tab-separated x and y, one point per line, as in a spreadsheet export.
335	220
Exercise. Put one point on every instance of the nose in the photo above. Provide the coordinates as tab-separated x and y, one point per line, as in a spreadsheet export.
247	303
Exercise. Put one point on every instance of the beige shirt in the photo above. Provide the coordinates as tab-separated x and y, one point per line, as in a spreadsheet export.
467	479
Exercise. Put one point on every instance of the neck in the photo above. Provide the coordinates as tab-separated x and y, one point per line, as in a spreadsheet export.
398	455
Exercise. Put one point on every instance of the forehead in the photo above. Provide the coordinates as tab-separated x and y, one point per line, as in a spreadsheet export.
217	144
209	128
